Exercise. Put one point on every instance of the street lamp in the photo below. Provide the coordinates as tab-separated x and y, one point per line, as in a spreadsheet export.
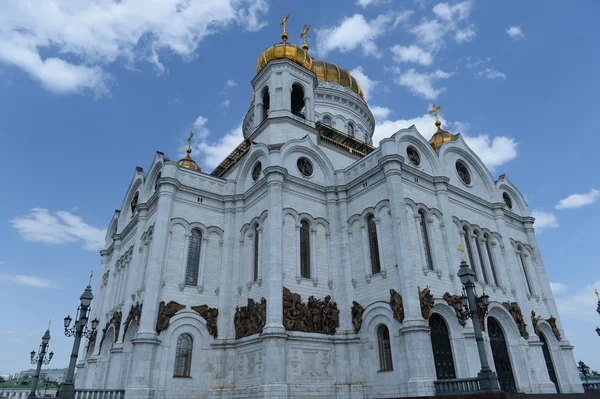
39	360
78	330
488	381
584	369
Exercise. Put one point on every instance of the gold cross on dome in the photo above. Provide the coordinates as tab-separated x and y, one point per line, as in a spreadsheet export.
305	32
462	253
434	111
283	23
189	140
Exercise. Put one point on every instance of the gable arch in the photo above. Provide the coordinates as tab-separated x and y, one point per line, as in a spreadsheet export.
258	152
506	322
411	136
518	200
460	150
113	228
312	151
377	313
135	186
260	220
151	179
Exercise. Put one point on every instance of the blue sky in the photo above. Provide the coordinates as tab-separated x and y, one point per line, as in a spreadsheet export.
90	90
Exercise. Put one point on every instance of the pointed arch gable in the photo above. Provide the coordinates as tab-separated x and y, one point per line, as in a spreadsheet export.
257	152
307	147
411	136
518	200
155	169
112	228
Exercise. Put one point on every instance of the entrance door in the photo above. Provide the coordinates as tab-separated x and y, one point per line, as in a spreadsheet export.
442	350
501	357
549	364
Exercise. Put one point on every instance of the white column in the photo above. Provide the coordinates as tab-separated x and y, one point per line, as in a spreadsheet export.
251	238
417	219
432	248
530	272
486	262
186	248
297	248
366	253
499	279
241	266
475	260
203	246
329	268
260	255
313	256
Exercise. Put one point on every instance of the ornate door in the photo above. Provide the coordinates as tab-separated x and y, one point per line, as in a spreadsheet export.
501	357
549	364
442	350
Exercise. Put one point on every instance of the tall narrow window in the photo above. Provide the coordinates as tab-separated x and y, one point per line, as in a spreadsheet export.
327	120
297	100
477	244
266	103
183	356
425	237
491	258
193	260
256	252
156	180
373	244
470	251
351	129
305	249
385	349
520	251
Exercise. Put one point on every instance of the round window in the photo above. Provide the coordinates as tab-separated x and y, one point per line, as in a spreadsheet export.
256	171
305	166
463	172
413	156
507	200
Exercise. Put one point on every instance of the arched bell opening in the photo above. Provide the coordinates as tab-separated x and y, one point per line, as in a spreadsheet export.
297	101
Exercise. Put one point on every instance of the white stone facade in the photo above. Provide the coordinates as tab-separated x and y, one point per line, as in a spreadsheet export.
146	256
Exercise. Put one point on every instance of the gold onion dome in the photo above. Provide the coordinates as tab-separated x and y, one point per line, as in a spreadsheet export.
187	162
441	136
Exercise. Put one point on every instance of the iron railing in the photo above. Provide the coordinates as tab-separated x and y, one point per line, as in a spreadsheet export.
99	394
591	386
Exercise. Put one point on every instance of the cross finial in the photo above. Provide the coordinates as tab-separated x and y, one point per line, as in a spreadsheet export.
49	322
91	275
462	252
434	111
304	35
189	140
597	294
283	24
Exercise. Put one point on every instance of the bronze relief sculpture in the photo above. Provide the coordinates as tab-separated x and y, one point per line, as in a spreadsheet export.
135	313
517	316
165	312
115	321
315	316
426	299
250	319
534	322
357	312
555	330
455	303
396	305
210	315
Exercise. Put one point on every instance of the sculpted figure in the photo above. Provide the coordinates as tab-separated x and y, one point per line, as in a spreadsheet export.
534	322
134	316
517	316
426	302
455	303
396	305
555	330
210	315
249	319
357	312
318	316
165	312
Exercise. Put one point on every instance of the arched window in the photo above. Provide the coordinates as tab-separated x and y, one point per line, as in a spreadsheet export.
351	129
385	349
425	238
297	100
134	203
183	356
470	251
304	249
373	244
490	257
327	120
193	260
520	251
477	244
256	252
442	349
266	103
156	180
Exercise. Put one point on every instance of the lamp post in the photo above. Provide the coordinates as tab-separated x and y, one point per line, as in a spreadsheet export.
39	360
78	330
488	380
584	369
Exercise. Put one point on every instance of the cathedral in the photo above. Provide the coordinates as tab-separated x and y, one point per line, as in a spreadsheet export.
312	264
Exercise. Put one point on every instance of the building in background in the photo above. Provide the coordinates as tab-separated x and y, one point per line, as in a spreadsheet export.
311	263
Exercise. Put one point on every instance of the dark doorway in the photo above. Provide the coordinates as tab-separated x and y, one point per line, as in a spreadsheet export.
442	350
549	364
266	103
298	101
501	357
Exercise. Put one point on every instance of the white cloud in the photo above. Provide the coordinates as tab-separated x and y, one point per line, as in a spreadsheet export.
457	12
422	83
412	53
574	201
355	31
199	127
465	35
366	84
225	104
228	85
544	220
430	33
380	113
491	73
30	281
216	152
581	305
62	227
515	32
366	3
557	288
79	39
424	123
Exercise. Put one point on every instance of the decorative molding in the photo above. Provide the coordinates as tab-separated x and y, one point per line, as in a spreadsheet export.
165	312
315	316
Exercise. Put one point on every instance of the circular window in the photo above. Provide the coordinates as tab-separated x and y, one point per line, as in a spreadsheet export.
463	172
413	156
256	171
507	200
305	166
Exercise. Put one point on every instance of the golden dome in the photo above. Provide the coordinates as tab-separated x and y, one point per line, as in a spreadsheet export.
284	50
441	136
187	162
330	72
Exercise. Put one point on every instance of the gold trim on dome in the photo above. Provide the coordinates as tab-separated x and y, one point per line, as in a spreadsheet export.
441	136
187	162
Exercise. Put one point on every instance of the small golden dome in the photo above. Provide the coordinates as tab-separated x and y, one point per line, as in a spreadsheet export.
284	50
441	136
330	72
187	162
